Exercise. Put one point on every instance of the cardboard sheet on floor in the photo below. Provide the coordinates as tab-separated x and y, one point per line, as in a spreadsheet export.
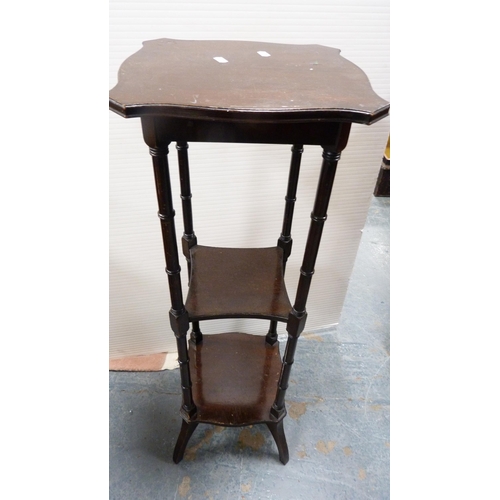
147	363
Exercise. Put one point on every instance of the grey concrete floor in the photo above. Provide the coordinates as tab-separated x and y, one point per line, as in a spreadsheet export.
337	426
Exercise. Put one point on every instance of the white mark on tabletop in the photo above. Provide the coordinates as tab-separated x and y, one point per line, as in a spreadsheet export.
220	59
263	53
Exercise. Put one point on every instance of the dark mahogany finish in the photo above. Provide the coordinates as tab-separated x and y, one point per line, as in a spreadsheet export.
237	283
224	91
182	79
234	378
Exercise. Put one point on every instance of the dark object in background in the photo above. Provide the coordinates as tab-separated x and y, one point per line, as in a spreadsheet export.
383	186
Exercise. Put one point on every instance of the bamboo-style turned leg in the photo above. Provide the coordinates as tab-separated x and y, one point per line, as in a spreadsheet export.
297	319
189	239
178	316
196	335
285	239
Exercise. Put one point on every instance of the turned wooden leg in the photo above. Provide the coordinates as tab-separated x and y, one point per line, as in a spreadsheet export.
297	317
285	240
278	433
196	335
179	318
183	439
272	334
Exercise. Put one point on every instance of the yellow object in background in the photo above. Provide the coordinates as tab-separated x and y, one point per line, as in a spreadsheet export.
387	153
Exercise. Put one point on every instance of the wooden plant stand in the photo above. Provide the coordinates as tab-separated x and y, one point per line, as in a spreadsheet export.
245	92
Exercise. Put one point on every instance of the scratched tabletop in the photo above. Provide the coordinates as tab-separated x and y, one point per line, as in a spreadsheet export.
221	79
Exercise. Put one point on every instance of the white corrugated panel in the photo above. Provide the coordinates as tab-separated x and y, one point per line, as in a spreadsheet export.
238	190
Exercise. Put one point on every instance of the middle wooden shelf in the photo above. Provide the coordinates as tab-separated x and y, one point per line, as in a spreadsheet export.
237	283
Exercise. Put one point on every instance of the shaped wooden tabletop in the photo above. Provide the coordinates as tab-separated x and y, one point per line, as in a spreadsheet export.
244	81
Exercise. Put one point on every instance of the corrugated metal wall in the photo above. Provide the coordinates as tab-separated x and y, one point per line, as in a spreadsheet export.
238	190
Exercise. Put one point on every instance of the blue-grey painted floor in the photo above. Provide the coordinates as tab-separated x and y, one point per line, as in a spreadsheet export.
337	426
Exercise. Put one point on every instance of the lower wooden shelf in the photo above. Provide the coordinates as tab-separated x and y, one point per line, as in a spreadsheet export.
235	378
